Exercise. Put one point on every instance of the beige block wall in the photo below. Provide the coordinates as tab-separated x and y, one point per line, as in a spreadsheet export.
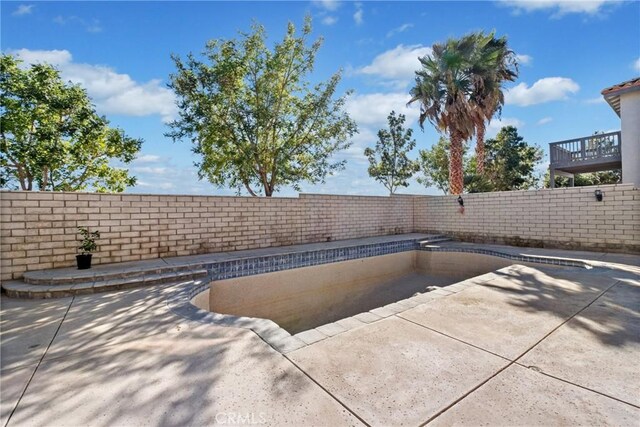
562	218
38	229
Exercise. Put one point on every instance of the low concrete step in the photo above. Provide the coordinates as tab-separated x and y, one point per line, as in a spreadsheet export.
67	276
16	289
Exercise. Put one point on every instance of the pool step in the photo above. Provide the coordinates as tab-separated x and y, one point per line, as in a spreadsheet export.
17	289
435	239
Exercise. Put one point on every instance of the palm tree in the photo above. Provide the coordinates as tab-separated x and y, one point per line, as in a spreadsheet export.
459	88
444	88
492	65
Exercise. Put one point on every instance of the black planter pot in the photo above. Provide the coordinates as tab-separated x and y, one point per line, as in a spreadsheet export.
84	261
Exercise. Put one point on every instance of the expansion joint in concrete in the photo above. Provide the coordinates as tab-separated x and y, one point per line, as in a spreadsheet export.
26	387
515	361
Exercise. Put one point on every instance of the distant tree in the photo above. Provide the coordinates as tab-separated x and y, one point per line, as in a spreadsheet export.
388	161
584	179
52	138
252	116
510	162
510	165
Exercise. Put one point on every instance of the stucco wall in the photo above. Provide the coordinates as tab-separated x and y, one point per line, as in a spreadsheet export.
561	218
38	229
630	126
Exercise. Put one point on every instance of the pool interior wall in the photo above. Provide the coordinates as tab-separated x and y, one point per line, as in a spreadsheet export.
304	298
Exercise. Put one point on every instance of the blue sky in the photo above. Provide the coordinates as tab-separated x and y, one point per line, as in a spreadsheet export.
120	51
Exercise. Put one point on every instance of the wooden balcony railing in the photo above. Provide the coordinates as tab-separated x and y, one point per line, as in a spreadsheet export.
591	149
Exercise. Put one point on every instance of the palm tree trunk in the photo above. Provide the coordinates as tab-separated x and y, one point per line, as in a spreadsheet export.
456	178
480	148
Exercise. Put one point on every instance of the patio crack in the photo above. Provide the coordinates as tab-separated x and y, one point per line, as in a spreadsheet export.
26	387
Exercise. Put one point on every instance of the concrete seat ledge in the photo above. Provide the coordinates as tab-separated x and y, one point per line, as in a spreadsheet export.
16	289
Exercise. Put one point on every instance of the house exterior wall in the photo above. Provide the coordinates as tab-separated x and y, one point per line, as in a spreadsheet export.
630	123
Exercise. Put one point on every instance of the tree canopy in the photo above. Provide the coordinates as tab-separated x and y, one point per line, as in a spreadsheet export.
253	117
511	161
53	139
388	161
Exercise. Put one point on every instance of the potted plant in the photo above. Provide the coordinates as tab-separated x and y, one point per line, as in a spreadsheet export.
87	245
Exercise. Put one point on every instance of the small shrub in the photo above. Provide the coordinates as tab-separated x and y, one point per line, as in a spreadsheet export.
88	242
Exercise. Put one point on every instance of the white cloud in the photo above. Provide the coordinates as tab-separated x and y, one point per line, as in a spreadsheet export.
111	92
92	26
524	59
373	108
358	16
636	65
544	90
147	158
544	120
160	185
53	57
596	100
23	9
495	125
327	4
399	63
159	170
402	28
329	20
560	7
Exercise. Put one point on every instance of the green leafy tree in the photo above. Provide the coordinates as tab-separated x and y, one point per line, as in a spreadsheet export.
52	138
510	162
388	161
584	179
510	165
252	116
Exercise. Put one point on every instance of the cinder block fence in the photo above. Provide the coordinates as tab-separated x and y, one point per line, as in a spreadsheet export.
38	229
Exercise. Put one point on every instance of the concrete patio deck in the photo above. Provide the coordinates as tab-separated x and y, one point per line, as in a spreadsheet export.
537	346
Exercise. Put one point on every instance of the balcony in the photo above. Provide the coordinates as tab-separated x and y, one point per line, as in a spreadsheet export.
593	153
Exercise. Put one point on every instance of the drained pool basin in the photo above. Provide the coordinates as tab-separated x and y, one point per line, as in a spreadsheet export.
304	298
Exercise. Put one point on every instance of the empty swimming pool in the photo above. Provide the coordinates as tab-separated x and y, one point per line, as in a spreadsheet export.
303	298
